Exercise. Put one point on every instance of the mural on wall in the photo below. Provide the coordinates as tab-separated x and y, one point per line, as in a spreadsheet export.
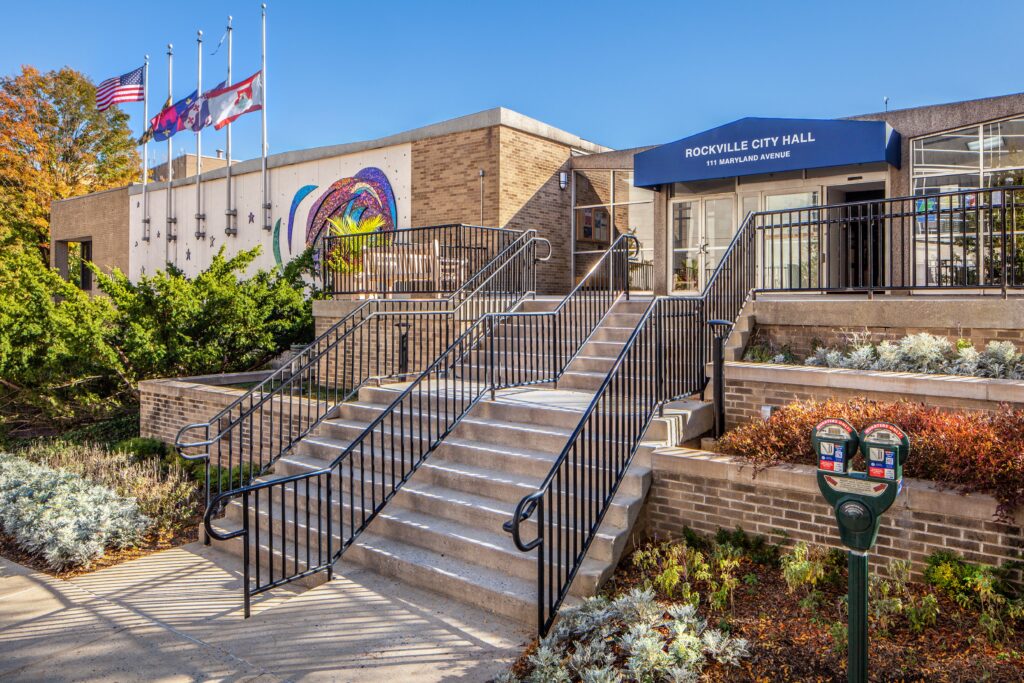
365	195
302	193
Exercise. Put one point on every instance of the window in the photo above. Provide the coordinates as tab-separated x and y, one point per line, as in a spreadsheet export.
985	155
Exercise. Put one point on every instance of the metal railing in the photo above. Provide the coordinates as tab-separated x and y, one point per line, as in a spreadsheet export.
428	260
968	239
536	347
339	501
662	360
381	338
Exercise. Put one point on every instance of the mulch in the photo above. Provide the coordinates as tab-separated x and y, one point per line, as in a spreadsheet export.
792	643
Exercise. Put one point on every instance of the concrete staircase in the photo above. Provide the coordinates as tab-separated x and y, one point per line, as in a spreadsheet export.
443	529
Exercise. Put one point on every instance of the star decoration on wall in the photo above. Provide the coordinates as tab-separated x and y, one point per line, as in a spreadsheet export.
136	243
252	217
188	254
158	234
212	239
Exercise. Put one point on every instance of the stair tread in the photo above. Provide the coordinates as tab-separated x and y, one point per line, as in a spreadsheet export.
540	429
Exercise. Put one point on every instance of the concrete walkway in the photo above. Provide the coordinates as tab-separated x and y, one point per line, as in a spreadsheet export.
176	616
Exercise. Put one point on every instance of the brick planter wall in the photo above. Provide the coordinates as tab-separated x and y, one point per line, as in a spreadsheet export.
167	405
706	492
748	386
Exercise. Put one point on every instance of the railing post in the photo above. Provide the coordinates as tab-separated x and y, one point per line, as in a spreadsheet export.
403	348
206	438
721	331
540	567
491	367
245	553
330	529
659	361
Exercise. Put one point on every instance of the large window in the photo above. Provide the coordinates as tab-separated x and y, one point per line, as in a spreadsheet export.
985	155
605	205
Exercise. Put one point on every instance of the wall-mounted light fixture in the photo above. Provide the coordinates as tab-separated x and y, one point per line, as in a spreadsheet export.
563	180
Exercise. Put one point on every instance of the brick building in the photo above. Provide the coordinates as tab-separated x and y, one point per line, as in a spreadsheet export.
495	168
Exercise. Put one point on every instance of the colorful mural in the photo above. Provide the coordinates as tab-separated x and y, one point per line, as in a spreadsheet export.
366	194
296	200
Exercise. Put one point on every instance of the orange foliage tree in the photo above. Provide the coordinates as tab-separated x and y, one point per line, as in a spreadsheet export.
54	144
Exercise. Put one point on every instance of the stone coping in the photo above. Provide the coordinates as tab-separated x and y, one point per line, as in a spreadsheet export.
908	383
215	383
933	311
918	495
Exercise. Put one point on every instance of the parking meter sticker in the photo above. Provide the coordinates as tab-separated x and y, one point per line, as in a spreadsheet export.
879	472
862	487
876	454
827	448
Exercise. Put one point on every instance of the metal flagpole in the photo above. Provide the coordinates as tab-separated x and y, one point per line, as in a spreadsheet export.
171	220
230	212
263	112
200	216
145	149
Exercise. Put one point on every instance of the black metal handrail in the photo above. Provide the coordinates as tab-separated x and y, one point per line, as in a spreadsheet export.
423	260
377	462
965	239
381	338
537	347
662	360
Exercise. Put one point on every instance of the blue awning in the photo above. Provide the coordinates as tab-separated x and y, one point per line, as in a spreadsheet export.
755	145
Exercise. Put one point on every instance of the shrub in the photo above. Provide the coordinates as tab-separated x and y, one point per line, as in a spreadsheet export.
633	634
971	452
924	353
61	517
166	495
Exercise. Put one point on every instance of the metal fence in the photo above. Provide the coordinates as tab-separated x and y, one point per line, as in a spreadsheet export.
428	260
969	239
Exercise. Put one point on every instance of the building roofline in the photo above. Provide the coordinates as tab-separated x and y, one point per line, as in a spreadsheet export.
489	118
940	105
119	188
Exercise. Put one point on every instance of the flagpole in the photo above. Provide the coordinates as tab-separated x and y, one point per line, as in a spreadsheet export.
263	112
200	216
171	220
231	229
145	149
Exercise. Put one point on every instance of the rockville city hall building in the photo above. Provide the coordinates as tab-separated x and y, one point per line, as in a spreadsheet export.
683	200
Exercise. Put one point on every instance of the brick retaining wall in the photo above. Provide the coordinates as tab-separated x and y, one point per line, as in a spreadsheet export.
748	386
706	492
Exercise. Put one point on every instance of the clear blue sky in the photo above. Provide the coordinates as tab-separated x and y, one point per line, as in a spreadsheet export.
618	73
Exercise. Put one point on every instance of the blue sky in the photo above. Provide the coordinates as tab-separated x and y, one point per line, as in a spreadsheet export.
621	74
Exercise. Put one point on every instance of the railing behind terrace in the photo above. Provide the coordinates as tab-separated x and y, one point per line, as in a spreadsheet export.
536	347
428	260
662	360
343	498
969	239
381	338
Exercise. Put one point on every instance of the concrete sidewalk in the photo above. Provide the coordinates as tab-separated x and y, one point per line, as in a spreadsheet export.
176	615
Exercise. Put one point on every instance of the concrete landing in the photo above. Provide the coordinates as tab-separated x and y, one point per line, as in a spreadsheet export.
176	615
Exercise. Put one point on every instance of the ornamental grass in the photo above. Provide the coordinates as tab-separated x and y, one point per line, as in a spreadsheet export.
970	452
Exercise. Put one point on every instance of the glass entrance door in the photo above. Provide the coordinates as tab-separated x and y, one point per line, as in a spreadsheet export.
700	231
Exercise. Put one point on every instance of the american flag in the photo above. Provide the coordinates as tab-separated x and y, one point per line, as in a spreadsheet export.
127	88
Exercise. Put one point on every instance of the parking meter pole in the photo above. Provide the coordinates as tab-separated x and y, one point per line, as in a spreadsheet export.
857	625
720	329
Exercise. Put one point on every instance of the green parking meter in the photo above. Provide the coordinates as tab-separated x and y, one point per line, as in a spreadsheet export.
859	498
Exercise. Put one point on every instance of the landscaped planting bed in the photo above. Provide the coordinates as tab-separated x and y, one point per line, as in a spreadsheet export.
967	451
737	609
919	353
70	507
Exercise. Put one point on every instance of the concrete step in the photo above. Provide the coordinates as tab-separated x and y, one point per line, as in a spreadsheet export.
476	509
485	548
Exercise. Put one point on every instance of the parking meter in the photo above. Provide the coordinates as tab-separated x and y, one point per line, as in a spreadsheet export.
859	498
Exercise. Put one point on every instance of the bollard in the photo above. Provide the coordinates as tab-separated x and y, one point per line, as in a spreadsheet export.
721	329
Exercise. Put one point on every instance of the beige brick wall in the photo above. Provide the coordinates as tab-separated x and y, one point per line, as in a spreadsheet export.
531	198
706	492
101	217
446	178
167	405
520	189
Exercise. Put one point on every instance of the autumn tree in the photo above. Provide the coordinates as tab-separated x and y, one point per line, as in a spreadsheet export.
54	144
